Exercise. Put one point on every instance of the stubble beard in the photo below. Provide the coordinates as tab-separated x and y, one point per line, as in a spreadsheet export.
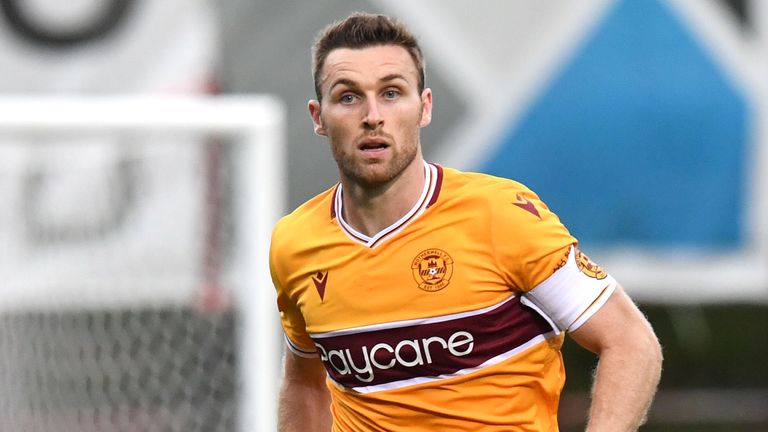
372	175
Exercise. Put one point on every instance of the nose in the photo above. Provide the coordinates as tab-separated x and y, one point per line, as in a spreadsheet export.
373	118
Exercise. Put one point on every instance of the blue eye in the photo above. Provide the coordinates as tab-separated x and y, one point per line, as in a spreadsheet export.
347	99
391	94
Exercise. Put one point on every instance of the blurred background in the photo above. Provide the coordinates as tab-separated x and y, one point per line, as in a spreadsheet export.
126	292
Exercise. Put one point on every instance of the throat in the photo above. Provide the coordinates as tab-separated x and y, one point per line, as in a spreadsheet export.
372	212
374	217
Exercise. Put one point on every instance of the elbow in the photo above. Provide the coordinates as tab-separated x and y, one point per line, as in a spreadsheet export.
641	348
651	350
659	354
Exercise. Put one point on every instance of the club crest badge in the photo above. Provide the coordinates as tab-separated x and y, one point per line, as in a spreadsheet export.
432	269
588	267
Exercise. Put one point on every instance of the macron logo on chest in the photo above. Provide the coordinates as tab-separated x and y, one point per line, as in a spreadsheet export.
320	279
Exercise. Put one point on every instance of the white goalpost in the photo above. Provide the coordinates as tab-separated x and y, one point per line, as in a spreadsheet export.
134	281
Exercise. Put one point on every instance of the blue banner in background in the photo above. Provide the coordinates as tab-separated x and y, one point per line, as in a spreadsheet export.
641	139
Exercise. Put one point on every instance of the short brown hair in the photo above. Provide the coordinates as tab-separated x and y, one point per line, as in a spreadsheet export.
362	30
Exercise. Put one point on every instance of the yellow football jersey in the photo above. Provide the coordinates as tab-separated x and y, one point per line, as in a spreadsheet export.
451	319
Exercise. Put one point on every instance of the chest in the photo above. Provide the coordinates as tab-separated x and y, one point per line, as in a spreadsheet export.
420	275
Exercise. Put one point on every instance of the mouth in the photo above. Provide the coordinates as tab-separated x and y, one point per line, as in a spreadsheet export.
372	144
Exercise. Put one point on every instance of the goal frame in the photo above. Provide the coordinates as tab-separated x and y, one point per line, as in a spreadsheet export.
258	122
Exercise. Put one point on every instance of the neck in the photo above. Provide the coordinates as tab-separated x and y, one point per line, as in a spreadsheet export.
370	210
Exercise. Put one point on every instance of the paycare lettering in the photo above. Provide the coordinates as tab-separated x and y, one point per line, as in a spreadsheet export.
408	353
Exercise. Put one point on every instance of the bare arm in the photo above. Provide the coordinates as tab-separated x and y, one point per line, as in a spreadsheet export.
629	367
304	399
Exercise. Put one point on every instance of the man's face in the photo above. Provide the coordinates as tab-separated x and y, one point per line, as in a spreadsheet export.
371	112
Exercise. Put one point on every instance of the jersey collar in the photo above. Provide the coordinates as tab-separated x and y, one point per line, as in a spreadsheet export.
433	176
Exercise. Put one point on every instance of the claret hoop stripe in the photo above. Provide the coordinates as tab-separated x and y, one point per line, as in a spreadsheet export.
419	380
410	323
392	355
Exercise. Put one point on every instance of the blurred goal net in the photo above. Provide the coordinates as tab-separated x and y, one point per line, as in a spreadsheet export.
134	286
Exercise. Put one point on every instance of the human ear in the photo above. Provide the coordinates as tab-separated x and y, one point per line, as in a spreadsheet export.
314	112
426	107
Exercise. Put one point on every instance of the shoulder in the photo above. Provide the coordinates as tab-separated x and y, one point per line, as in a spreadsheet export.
526	239
308	217
484	189
508	207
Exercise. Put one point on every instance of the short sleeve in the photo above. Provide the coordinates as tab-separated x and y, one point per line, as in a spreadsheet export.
291	319
573	293
540	258
529	241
